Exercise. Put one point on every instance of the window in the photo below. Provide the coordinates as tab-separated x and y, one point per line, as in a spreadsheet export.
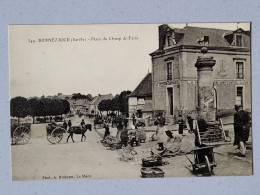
169	70
239	40
140	101
239	96
168	40
239	70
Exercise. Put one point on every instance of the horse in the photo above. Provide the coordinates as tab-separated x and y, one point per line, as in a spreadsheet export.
77	130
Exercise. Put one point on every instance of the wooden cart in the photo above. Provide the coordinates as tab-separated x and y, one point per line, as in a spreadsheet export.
20	132
56	134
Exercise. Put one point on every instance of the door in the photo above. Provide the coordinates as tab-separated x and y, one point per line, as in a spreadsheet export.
240	95
170	100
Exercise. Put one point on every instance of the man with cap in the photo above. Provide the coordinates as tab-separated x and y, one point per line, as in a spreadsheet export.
242	124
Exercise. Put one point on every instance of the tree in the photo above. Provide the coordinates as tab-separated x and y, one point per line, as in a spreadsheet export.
89	97
66	106
123	102
34	103
19	107
115	103
104	105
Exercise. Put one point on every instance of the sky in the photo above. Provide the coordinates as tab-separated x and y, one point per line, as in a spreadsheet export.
88	59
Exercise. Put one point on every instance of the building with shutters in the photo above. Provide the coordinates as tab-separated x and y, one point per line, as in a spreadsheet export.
140	100
174	75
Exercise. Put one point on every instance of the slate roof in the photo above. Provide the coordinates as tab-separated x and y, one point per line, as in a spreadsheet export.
99	98
79	102
144	89
189	36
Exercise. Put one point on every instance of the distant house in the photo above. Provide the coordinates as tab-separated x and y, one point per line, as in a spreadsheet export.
140	100
79	106
93	105
64	97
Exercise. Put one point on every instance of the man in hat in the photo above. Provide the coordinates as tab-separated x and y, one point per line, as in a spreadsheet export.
242	124
82	124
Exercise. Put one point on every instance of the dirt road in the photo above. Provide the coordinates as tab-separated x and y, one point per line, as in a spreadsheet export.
41	160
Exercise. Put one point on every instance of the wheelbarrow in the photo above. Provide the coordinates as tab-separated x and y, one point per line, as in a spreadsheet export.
203	160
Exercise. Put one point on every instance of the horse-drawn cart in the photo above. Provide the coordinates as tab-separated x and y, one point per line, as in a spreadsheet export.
20	132
98	121
56	134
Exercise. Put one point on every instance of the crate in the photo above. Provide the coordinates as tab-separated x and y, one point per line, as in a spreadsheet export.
152	172
152	161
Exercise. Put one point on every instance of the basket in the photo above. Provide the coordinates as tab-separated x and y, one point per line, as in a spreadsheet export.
152	161
152	172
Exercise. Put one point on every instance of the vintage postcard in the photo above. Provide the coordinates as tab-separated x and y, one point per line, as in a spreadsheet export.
130	100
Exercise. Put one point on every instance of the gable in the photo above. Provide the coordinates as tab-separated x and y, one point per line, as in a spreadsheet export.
144	89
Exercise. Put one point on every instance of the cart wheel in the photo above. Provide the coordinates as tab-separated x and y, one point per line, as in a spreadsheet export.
59	135
208	165
21	135
51	139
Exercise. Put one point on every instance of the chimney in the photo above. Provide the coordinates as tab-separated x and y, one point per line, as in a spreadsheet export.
162	36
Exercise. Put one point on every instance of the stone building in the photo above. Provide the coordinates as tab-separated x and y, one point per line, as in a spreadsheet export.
140	100
92	107
174	75
78	106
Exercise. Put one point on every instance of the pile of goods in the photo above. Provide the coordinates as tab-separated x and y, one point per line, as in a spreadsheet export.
154	160
111	142
181	144
127	154
152	172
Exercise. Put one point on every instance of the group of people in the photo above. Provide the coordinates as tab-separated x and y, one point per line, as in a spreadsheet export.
242	125
66	125
125	137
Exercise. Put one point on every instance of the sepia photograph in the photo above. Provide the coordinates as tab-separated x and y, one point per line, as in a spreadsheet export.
114	101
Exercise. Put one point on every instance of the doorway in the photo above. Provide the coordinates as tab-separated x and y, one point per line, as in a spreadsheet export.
170	100
240	95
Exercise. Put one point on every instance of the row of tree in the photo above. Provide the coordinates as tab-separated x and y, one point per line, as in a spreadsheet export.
118	103
21	107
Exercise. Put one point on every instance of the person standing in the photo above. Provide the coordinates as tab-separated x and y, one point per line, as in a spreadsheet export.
190	122
134	118
242	124
69	124
65	125
124	136
107	132
180	122
160	132
119	128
